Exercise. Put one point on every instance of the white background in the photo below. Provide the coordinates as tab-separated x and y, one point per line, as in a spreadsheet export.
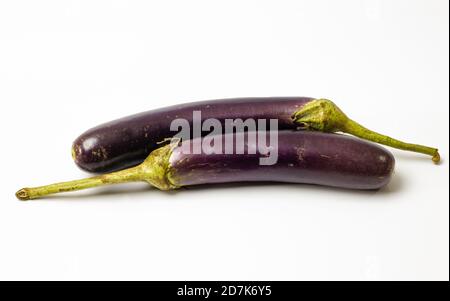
66	66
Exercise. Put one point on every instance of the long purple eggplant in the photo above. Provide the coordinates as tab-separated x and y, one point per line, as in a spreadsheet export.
302	157
128	141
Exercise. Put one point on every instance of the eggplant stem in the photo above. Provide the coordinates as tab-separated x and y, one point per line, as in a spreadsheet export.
355	129
154	170
323	115
127	175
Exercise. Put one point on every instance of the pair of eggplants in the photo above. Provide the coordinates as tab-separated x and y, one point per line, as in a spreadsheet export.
309	149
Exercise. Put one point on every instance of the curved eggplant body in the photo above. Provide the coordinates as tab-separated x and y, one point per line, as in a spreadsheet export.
128	141
303	157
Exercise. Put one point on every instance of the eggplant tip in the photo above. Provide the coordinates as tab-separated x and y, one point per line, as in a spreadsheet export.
74	154
22	194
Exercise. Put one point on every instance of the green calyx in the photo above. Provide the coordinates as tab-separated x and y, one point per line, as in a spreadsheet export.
320	115
154	170
323	115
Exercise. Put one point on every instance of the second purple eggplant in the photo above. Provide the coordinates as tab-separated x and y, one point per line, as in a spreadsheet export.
128	141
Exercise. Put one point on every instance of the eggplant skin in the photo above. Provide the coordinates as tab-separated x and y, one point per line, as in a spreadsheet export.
303	157
128	141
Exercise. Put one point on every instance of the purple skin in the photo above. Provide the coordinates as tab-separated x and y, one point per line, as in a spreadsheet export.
303	157
128	141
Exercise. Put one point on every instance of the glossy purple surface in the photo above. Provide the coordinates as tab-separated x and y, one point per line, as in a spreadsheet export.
128	141
303	157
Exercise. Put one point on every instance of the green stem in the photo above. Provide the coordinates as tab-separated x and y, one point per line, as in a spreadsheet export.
353	128
127	175
154	170
323	115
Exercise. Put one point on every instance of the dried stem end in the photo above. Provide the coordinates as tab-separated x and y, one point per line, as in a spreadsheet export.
23	195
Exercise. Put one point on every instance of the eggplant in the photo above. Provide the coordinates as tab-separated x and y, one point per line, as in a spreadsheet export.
128	141
302	157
